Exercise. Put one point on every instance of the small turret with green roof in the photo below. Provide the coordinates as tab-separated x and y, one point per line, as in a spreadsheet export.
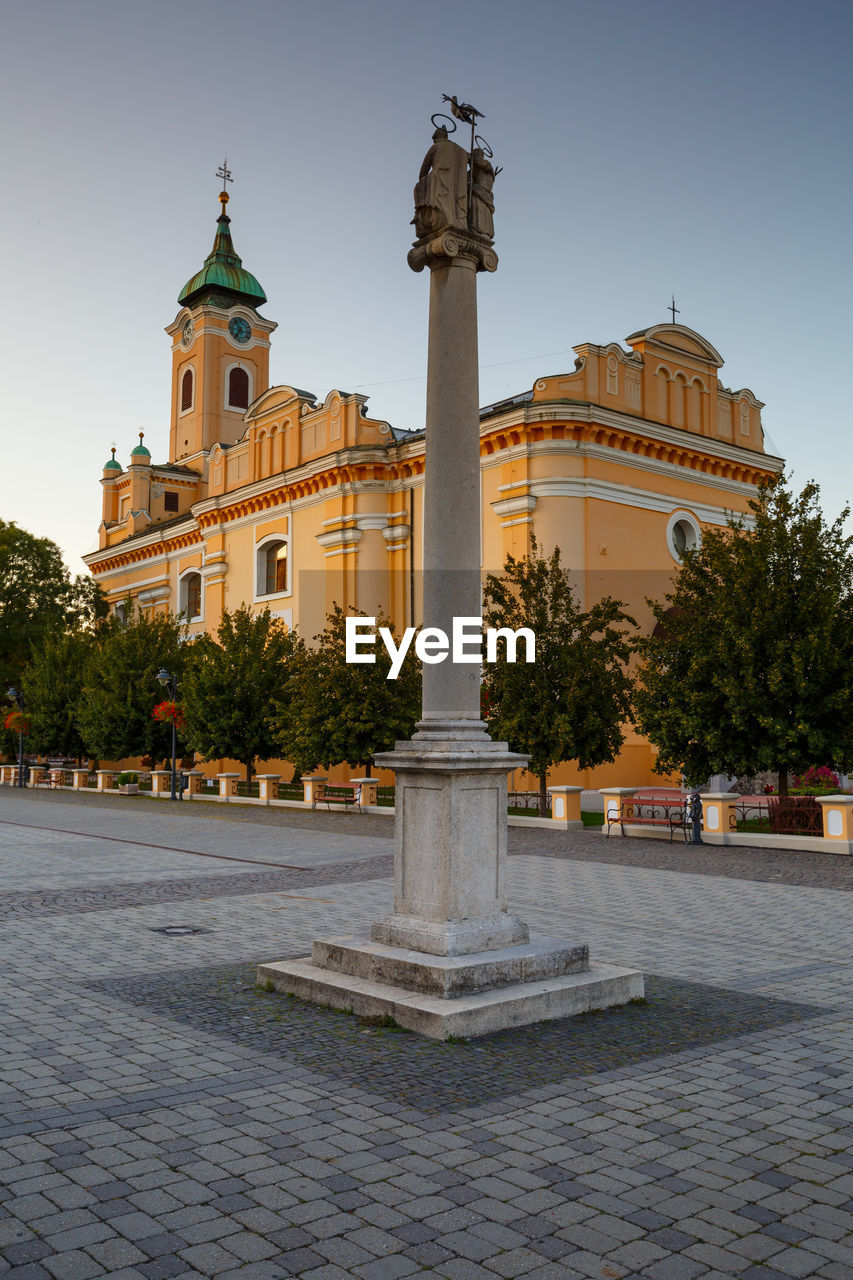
140	455
111	467
222	281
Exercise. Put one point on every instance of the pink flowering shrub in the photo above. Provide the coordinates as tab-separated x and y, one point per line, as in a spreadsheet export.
817	780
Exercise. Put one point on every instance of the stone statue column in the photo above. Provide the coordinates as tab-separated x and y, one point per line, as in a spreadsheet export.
451	959
450	861
454	253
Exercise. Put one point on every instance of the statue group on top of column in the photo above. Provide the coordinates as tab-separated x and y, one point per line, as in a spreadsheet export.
455	187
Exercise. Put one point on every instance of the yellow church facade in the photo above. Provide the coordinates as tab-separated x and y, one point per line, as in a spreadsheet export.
277	499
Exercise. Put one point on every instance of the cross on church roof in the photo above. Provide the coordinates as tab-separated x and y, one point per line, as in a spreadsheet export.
674	309
224	173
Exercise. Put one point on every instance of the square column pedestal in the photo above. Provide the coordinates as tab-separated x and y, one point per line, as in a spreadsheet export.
451	960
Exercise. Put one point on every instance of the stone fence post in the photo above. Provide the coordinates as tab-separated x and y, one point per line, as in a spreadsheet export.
227	785
161	782
195	782
369	789
566	808
313	788
616	803
718	812
268	786
837	818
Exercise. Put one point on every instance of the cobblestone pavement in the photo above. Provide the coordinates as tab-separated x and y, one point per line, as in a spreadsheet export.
162	1116
820	870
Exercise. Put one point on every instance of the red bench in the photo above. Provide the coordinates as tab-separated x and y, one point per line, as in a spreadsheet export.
348	795
659	807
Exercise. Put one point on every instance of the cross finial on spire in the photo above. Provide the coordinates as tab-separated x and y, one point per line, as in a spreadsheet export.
224	173
674	309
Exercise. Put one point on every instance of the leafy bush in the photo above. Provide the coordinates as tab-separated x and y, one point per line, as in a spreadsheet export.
819	780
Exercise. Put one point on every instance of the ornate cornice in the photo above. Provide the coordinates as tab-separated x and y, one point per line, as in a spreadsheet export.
634	439
105	561
587	428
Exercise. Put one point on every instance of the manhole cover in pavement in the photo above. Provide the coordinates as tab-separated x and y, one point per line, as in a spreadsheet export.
177	930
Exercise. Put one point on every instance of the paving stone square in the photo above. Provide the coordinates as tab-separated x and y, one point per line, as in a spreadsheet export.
163	1116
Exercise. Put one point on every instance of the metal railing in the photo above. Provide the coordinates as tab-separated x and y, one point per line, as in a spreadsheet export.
778	815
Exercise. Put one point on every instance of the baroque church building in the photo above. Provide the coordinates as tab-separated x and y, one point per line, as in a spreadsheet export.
275	498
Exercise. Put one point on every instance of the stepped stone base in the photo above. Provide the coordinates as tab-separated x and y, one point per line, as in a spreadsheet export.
451	937
442	996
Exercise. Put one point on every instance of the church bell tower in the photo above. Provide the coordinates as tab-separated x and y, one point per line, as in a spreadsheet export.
220	349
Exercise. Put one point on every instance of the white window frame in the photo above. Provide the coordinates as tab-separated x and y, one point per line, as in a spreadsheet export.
236	408
261	549
682	517
189	367
181	610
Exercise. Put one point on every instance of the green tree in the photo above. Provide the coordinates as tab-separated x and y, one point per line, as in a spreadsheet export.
231	684
571	703
339	712
120	688
38	596
751	663
52	685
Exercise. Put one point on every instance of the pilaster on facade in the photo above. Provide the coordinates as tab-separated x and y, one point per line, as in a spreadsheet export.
517	507
340	540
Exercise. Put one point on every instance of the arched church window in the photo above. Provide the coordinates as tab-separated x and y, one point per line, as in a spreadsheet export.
272	568
238	388
191	596
187	391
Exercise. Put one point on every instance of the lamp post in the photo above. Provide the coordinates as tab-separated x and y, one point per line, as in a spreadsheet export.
17	696
170	682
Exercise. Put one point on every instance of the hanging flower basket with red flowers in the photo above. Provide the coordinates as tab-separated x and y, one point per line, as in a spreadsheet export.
168	712
17	722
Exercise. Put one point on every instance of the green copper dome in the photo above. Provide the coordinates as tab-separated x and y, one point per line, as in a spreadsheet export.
140	451
223	280
111	464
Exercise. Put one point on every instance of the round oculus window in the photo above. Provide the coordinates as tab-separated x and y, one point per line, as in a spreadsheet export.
682	535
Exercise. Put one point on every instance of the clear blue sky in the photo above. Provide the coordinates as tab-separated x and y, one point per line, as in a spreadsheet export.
648	149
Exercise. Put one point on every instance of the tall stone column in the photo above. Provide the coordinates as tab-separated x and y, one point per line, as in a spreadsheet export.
452	559
451	959
450	855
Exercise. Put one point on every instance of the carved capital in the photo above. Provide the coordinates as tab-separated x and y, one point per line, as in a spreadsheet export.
431	251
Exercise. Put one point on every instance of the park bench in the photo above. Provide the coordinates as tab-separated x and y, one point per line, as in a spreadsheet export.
665	809
348	795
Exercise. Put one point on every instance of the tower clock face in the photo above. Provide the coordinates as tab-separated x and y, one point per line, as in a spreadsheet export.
239	329
187	333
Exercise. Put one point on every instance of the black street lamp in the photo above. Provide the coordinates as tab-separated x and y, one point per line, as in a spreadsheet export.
17	696
170	682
